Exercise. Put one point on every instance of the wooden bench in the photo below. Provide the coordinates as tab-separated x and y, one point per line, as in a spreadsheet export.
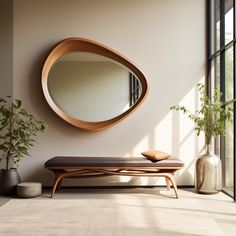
85	167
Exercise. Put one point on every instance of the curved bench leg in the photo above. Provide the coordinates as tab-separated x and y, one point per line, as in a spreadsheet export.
57	182
172	180
60	174
167	183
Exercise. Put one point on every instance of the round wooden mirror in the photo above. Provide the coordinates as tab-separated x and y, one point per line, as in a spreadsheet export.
89	85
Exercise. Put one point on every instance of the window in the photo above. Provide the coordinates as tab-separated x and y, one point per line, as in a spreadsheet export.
221	71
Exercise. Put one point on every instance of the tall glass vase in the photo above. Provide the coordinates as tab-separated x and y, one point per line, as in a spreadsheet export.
208	172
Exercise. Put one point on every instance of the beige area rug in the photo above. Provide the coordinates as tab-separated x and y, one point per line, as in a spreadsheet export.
119	215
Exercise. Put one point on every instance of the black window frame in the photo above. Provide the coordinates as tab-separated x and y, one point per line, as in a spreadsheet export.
211	58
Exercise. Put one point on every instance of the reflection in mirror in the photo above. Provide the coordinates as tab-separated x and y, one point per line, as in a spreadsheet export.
92	87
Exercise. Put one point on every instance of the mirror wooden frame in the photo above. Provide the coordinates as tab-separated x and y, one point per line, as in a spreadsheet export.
71	45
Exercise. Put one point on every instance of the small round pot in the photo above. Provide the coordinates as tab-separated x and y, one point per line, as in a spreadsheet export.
8	181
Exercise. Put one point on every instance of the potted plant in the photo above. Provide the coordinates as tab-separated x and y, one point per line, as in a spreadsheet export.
17	129
209	119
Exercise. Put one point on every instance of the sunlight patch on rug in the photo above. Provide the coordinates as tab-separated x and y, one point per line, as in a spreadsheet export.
121	216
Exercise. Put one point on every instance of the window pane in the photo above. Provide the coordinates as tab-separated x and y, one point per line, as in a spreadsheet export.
228	20
212	25
217	73
229	155
229	74
217	24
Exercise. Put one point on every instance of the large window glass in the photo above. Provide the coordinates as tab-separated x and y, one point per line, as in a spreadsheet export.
221	66
217	75
229	19
229	158
217	23
229	74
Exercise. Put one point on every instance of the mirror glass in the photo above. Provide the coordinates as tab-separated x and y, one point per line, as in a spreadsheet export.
91	87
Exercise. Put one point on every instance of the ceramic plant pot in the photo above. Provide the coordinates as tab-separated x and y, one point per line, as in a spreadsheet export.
8	181
208	173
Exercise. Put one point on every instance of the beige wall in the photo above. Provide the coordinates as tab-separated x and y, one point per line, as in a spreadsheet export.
164	38
6	47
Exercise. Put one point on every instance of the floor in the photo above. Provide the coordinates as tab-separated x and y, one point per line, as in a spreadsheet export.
220	207
229	190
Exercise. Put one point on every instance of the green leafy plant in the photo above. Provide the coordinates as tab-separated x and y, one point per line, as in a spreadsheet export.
17	129
211	116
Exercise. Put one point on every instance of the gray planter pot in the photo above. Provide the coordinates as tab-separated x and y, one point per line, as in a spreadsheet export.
8	181
208	173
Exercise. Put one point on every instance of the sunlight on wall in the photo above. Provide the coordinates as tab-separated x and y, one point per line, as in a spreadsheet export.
125	178
186	125
175	134
163	134
141	146
187	139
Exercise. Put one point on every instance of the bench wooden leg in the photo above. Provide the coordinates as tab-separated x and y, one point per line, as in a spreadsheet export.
57	182
172	180
60	174
167	183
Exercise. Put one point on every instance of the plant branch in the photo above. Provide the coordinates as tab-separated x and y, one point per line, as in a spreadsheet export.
17	127
212	115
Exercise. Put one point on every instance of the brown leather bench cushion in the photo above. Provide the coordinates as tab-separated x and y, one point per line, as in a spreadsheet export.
73	162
